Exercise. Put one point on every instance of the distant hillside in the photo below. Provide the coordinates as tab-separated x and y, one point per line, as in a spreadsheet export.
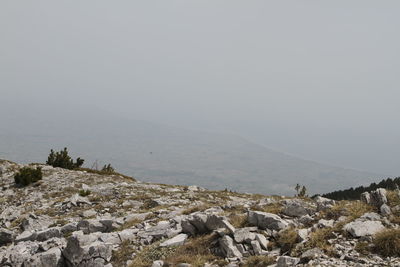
158	153
355	193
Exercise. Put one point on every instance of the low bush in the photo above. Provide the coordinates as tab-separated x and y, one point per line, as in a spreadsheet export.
84	193
63	160
27	175
387	242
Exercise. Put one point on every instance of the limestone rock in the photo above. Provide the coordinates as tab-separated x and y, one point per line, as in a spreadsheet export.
175	241
266	220
6	236
385	210
86	250
297	208
286	261
360	228
229	248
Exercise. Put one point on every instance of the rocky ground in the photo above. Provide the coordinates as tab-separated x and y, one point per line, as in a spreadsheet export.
81	218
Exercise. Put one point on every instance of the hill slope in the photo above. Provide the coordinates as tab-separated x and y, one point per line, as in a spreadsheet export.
80	219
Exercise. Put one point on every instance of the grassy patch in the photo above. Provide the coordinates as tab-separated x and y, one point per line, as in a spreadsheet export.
259	261
106	173
288	239
123	254
319	239
151	253
238	220
387	242
274	208
195	209
84	193
393	198
195	251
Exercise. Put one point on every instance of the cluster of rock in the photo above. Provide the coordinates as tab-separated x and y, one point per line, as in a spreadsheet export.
50	224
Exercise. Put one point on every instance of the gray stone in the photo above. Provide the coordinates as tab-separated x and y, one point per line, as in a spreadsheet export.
175	241
311	254
286	261
158	263
215	222
229	248
244	235
128	234
297	208
110	238
6	236
266	220
256	247
86	250
324	203
77	200
370	216
50	258
262	240
47	234
69	228
303	234
360	228
385	210
322	223
366	198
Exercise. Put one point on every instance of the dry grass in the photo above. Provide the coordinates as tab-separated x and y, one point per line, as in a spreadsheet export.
319	239
288	239
393	198
259	261
99	172
123	254
274	208
363	248
149	254
130	224
387	242
352	209
196	208
195	251
238	220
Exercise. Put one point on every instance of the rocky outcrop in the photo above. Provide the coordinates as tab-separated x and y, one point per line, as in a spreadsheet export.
86	250
6	236
51	224
298	208
361	228
200	223
266	220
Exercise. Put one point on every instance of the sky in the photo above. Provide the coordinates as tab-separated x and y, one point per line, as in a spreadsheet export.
315	79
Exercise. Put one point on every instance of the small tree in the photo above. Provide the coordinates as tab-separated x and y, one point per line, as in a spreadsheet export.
297	189
108	169
303	192
63	160
27	175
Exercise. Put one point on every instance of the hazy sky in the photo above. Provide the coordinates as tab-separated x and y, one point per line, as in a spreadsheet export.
316	79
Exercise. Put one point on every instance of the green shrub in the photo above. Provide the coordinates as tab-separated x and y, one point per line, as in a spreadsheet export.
84	193
63	160
27	175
